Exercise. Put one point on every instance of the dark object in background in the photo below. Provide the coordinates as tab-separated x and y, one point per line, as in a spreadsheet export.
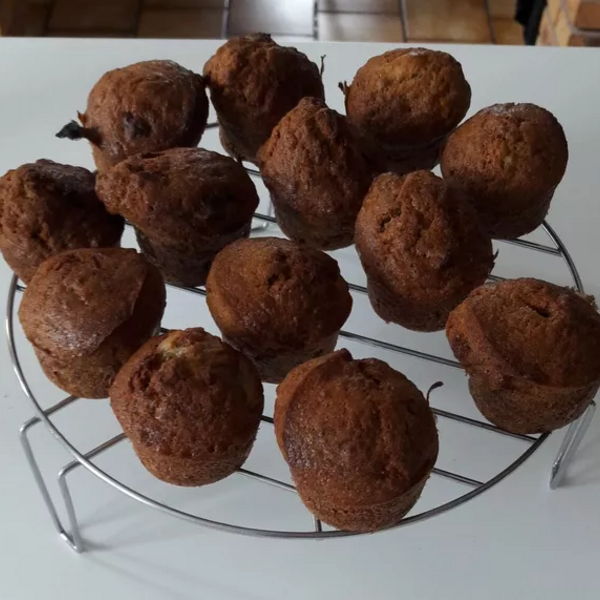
145	107
47	207
190	405
317	175
529	14
185	204
253	83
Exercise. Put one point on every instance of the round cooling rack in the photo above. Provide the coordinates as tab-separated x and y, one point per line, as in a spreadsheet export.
72	535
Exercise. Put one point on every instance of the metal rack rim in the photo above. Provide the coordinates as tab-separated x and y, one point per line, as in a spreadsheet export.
573	437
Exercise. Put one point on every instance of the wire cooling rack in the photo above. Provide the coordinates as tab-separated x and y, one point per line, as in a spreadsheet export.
71	534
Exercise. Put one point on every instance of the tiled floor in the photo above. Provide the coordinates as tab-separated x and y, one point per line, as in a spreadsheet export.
461	21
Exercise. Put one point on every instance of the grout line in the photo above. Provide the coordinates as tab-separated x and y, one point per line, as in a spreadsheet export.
403	14
49	14
488	13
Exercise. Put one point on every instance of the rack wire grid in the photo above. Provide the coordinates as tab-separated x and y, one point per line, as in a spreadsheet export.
72	534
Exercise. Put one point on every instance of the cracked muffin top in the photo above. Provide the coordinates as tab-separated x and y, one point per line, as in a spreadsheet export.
408	97
47	207
506	154
253	83
190	395
78	298
528	328
276	292
144	107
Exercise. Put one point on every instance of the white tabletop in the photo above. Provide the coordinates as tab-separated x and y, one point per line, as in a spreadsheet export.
518	540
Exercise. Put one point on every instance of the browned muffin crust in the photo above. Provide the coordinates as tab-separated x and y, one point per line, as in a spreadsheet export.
407	100
359	438
87	311
507	159
253	83
144	107
278	302
47	207
185	203
190	405
317	175
422	248
531	350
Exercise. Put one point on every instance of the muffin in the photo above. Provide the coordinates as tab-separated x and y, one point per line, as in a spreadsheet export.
507	159
422	248
87	311
253	83
359	438
279	303
45	208
407	101
185	203
145	107
317	175
532	353
190	405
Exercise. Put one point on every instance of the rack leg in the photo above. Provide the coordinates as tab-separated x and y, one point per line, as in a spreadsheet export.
66	494
569	446
39	479
265	224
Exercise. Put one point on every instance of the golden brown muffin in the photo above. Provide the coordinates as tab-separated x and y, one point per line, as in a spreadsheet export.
407	101
277	302
317	175
532	353
185	203
253	83
359	438
422	248
190	405
145	107
45	208
507	159
87	311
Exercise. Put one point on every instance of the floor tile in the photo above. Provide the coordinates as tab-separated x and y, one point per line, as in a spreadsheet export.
180	23
186	3
359	27
82	33
502	9
508	32
360	6
447	20
279	17
117	15
35	19
553	10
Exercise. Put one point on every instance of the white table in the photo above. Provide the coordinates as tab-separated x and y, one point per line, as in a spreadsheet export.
519	540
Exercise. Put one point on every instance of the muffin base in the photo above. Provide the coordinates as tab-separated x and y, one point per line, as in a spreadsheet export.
235	148
274	365
327	236
393	309
365	518
408	159
508	225
190	472
529	408
187	267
